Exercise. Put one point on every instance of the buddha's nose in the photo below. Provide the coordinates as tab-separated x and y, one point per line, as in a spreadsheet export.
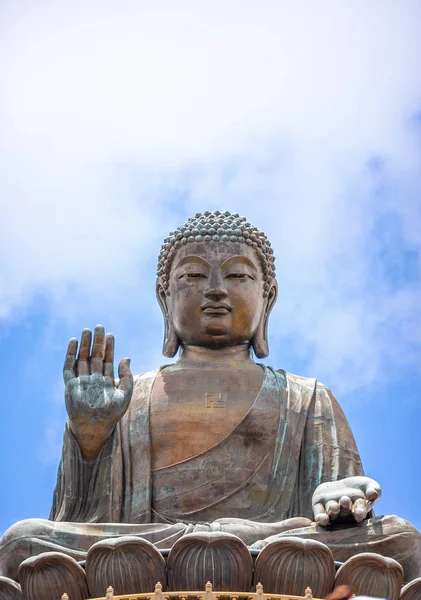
216	290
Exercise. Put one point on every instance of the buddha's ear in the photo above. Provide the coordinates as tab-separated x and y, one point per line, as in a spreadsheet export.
171	341
260	340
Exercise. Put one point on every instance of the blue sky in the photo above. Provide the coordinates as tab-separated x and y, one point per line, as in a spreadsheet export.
121	119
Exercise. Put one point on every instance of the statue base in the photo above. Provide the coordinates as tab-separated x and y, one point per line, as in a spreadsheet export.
130	565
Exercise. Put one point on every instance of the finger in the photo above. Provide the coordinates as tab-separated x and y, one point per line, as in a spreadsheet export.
70	360
373	490
320	515
97	355
109	356
84	350
360	509
345	503
125	375
322	519
333	509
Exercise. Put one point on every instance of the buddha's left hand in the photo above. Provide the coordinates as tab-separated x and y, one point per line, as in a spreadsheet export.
349	499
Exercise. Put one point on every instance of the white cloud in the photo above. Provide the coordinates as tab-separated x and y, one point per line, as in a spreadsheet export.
272	109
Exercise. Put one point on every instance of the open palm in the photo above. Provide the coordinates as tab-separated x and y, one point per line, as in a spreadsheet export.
92	396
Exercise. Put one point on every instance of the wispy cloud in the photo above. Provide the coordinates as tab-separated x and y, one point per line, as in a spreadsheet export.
121	119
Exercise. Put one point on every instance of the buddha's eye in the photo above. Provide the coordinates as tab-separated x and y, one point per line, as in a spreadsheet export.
239	276
193	275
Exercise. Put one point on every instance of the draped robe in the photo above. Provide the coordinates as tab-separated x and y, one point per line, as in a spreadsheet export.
294	437
256	483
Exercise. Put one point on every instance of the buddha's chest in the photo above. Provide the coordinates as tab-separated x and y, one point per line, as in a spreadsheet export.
192	410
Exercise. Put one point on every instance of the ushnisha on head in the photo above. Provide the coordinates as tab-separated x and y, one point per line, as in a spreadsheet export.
216	284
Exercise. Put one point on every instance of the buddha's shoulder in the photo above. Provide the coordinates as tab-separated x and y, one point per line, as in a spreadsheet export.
141	378
305	383
298	382
146	376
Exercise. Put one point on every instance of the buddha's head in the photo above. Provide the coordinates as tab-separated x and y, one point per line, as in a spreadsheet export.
216	284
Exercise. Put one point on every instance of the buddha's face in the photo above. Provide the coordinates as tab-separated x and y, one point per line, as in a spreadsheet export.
216	294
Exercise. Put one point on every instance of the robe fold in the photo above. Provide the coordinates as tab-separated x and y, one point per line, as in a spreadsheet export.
294	437
256	483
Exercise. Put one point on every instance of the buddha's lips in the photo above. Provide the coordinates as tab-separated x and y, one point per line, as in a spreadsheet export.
216	309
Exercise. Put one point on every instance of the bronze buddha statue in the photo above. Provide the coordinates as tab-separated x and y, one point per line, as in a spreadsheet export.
214	441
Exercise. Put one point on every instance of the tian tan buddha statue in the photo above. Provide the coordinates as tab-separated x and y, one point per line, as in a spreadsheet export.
213	445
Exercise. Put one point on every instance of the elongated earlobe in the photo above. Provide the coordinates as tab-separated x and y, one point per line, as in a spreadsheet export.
171	341
260	340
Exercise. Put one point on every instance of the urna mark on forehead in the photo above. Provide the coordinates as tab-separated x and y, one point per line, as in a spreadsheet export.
223	232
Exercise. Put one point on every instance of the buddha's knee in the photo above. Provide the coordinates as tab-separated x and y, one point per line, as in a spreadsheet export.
397	538
390	525
21	540
26	529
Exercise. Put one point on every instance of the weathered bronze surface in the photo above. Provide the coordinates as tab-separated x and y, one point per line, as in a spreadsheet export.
373	575
412	591
214	556
215	442
129	564
9	589
289	564
51	574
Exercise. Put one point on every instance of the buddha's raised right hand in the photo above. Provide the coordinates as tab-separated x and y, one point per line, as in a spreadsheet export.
93	400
